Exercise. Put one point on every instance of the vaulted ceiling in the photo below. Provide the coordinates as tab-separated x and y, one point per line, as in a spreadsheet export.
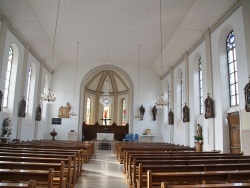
111	30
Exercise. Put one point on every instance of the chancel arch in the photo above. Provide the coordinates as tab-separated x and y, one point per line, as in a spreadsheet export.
120	87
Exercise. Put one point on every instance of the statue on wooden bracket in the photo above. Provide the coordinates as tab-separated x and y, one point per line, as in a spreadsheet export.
154	112
38	113
22	107
185	114
247	96
170	117
1	98
209	107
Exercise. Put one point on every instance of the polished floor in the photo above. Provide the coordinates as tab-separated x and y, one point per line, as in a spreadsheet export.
102	171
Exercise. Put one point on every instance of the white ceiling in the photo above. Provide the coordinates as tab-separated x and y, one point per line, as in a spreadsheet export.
111	30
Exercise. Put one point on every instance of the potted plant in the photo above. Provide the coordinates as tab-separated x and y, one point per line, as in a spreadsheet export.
198	138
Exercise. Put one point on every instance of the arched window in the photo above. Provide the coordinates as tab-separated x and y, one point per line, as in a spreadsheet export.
232	70
88	110
7	78
28	89
123	111
200	86
181	95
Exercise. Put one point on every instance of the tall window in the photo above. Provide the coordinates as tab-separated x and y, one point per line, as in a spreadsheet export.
181	94
88	110
124	112
232	70
7	79
28	89
200	86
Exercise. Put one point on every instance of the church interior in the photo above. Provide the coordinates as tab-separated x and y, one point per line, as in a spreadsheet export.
107	76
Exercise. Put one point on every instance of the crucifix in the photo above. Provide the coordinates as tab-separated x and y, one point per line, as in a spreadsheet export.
105	119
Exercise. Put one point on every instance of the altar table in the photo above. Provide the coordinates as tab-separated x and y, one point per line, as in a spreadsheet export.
104	136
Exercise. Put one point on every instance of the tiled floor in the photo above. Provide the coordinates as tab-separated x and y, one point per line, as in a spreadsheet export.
103	171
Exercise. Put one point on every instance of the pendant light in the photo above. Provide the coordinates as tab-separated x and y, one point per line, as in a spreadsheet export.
161	102
50	97
106	99
73	112
138	115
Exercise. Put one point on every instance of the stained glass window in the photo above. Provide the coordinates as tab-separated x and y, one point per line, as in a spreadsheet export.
28	89
200	86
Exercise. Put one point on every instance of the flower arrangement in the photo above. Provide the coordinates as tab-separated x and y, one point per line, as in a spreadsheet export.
7	128
198	138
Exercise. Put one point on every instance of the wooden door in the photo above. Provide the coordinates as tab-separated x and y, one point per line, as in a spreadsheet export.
234	132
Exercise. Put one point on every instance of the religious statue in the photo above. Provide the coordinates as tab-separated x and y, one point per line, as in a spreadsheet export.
154	112
22	108
199	130
63	112
170	118
38	113
6	127
142	111
209	109
247	96
185	114
1	98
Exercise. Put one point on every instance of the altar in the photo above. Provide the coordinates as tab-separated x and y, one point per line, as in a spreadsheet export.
104	136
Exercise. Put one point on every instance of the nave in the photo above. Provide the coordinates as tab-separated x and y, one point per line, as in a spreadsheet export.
102	171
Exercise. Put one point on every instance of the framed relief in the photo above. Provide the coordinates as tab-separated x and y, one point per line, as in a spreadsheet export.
170	118
209	107
185	114
247	96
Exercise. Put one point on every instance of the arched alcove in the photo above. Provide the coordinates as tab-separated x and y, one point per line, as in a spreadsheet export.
120	87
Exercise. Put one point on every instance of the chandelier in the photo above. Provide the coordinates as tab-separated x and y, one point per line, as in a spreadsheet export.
73	112
138	115
161	102
50	97
106	99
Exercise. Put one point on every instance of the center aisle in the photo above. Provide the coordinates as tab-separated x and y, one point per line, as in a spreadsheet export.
102	171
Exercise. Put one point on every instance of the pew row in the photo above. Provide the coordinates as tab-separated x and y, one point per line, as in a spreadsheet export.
140	178
29	184
155	179
221	185
44	178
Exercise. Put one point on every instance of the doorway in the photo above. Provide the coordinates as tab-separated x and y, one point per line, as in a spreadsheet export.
234	132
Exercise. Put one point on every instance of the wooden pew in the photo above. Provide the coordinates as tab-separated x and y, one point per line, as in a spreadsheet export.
59	169
47	152
67	162
133	160
30	184
221	185
121	147
42	177
155	179
141	177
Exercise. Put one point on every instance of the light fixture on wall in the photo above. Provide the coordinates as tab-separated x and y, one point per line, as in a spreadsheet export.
73	112
106	99
138	115
49	97
161	102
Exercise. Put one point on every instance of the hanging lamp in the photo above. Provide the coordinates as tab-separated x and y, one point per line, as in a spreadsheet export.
49	97
73	112
106	99
161	102
138	114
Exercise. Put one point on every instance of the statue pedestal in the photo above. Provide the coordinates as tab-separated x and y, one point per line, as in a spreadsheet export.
198	146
